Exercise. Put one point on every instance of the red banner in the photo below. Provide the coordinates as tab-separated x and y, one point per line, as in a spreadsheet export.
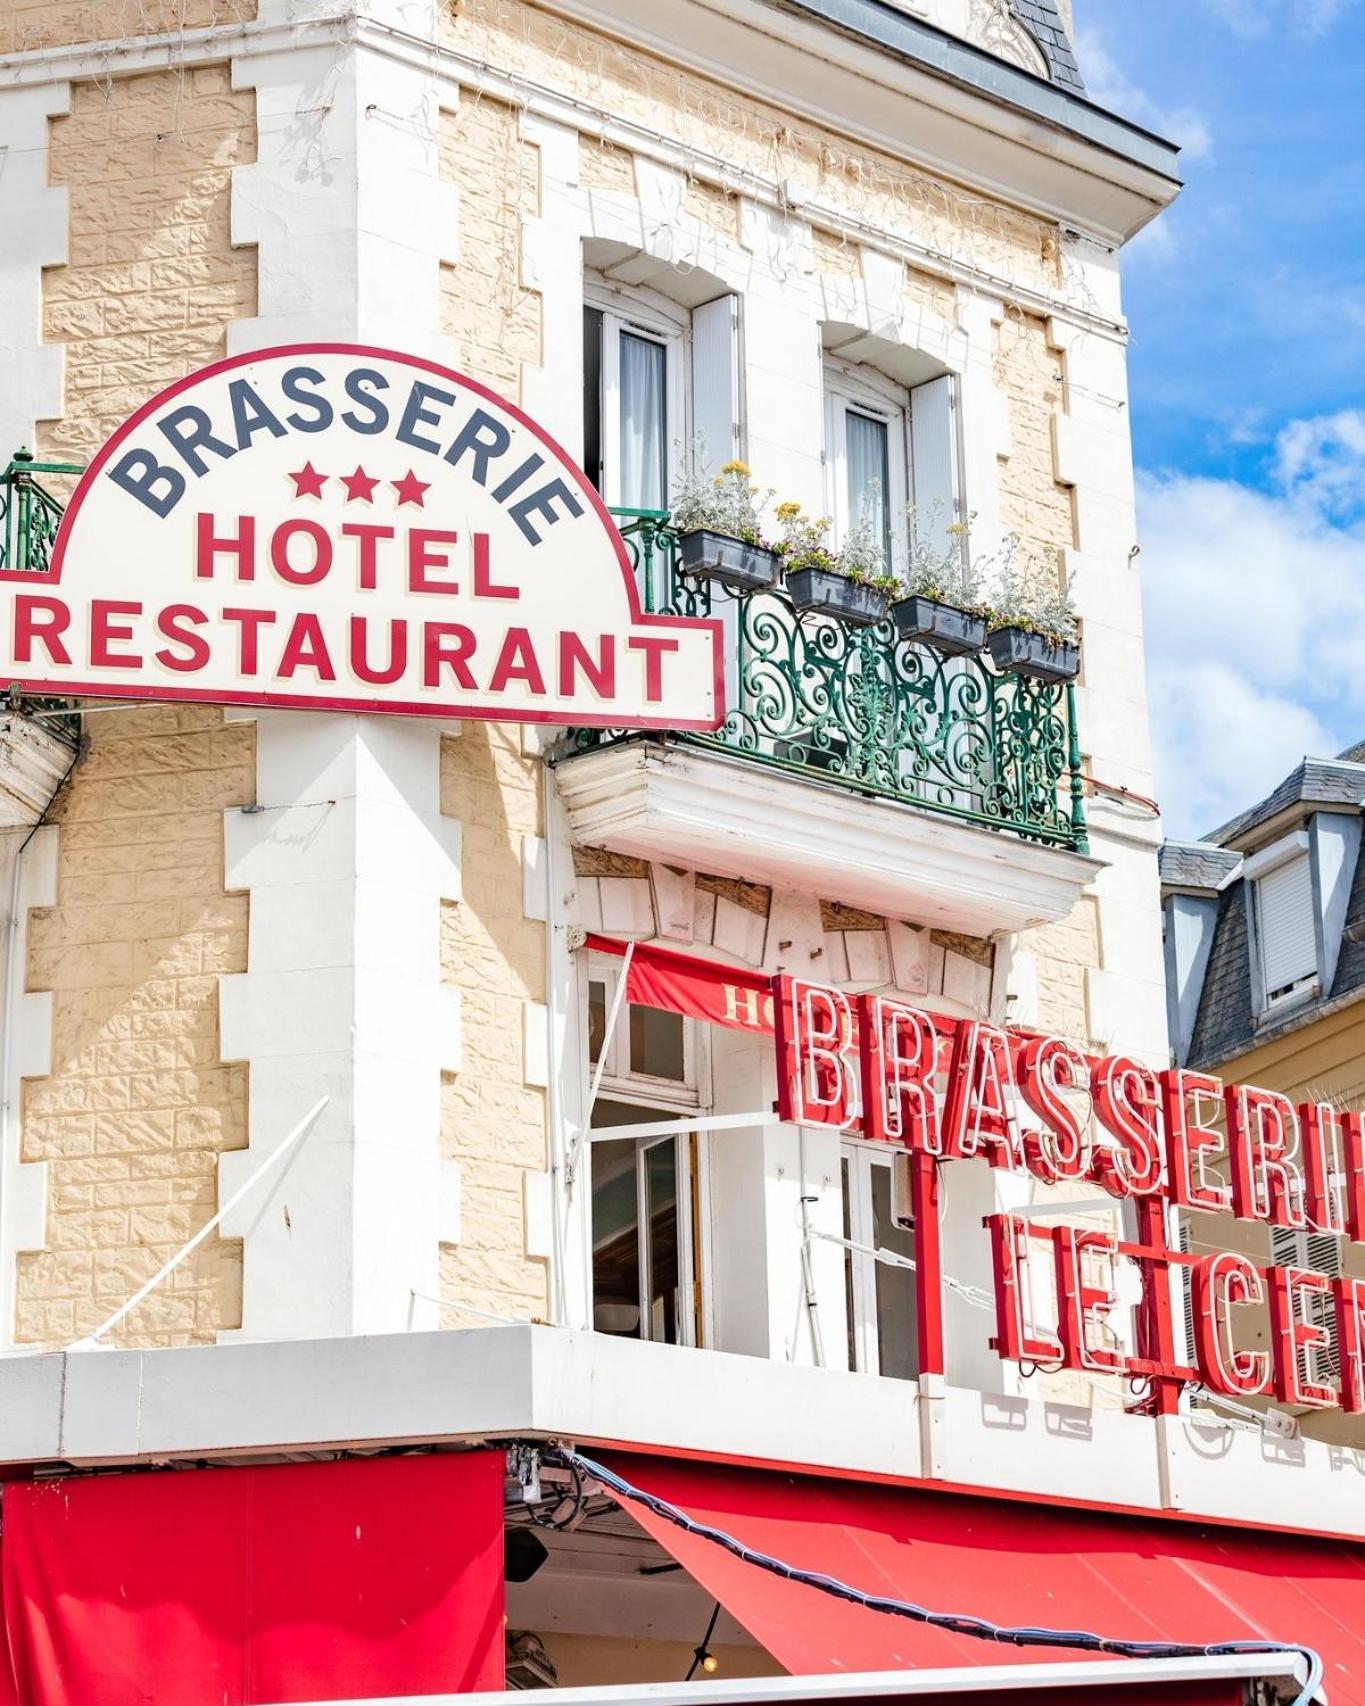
222	1587
699	989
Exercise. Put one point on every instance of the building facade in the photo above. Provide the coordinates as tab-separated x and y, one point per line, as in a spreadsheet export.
1263	976
869	248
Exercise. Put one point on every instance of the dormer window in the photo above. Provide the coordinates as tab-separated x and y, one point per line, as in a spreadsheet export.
1285	919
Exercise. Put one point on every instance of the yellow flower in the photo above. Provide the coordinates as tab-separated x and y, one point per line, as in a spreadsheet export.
736	468
958	527
787	511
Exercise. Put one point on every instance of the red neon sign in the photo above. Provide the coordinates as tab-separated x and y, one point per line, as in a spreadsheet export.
946	1090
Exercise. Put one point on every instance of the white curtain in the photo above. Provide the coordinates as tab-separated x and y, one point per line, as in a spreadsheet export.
644	424
868	472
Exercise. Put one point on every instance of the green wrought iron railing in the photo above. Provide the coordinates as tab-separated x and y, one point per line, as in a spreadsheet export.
29	513
29	518
865	710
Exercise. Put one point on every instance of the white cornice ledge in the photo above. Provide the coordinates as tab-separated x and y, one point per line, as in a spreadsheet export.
704	809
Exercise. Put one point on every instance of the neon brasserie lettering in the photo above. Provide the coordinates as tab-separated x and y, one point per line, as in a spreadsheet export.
950	1090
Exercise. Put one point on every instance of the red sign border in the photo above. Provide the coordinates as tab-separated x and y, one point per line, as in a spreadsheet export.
379	707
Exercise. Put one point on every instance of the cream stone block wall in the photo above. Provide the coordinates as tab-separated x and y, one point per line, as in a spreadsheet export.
487	308
29	25
493	1115
152	278
713	122
139	1104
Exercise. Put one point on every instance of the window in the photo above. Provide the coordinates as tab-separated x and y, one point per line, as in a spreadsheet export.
649	1231
866	454
655	375
879	1293
1285	921
650	1053
645	1252
632	407
1321	1253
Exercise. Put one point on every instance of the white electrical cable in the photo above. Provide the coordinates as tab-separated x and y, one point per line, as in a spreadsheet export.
464	1309
971	1294
91	1342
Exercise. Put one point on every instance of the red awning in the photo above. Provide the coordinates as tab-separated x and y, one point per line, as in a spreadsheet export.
687	984
222	1587
1013	1563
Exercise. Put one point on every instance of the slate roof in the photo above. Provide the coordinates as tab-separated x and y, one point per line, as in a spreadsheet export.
1043	21
1224	1025
1317	781
1195	865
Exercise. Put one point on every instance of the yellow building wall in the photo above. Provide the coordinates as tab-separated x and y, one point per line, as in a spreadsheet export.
138	1105
26	25
1320	1062
152	279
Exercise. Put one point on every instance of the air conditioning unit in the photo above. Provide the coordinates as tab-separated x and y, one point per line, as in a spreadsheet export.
528	1664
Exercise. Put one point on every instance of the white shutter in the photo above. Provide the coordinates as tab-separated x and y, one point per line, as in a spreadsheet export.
933	456
1284	905
1321	1252
715	378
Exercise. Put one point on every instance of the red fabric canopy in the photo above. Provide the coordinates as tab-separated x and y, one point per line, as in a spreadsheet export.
223	1587
1133	1578
700	989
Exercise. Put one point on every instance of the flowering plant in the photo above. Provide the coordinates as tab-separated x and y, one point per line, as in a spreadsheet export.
940	566
1036	597
861	559
728	502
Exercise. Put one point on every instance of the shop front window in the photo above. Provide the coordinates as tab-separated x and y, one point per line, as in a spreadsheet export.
645	1256
879	1290
648	1225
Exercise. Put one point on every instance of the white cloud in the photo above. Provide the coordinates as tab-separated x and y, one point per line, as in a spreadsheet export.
1108	86
1258	17
1255	617
1323	460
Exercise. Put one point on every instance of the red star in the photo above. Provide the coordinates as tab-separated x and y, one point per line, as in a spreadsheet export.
359	485
308	483
410	489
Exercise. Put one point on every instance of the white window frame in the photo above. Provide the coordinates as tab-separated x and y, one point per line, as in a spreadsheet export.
1289	848
861	1158
664	1096
643	314
690	1094
864	391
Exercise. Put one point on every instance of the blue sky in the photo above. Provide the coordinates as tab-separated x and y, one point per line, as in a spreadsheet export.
1247	303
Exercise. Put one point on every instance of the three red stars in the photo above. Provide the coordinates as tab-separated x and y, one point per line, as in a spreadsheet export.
308	483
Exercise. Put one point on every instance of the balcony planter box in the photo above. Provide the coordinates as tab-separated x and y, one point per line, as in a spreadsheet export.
1017	651
943	626
718	557
836	595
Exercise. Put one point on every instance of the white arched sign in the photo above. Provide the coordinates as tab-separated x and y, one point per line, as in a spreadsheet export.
329	525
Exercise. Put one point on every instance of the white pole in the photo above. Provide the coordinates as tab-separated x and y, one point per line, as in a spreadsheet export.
570	1166
91	1342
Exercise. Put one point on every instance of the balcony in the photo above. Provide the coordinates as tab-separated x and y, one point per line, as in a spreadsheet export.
904	779
29	514
36	735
